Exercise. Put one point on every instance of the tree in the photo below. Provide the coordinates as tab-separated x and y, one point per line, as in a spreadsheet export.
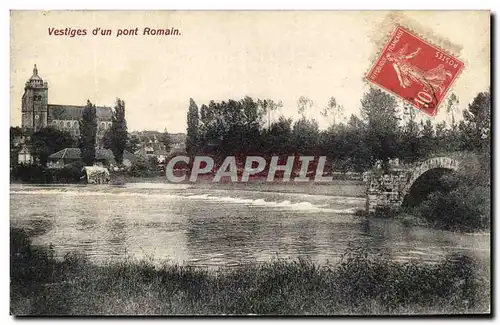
15	133
234	125
451	108
193	132
427	139
344	145
277	138
356	150
119	133
211	126
333	109
269	106
88	132
453	137
305	136
132	144
107	138
441	137
409	145
47	141
166	140
475	127
379	110
249	125
304	104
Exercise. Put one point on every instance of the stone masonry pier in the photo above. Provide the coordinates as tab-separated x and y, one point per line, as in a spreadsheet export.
388	190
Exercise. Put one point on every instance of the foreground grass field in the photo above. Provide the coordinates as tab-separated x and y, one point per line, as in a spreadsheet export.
359	284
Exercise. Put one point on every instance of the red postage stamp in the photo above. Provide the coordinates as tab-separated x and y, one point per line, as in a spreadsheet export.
414	70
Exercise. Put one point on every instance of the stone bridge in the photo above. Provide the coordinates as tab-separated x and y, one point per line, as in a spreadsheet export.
390	189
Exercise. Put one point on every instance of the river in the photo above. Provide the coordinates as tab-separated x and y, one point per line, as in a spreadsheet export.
212	227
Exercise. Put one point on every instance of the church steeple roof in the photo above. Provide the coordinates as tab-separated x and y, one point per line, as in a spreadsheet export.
35	81
35	75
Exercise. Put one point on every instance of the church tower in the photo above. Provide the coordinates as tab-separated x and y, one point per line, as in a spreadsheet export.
34	103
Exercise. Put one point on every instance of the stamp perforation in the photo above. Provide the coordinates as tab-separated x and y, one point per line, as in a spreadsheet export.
368	77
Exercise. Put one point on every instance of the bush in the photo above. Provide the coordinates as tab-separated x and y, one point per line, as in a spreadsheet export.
31	174
29	265
454	283
464	208
68	174
142	168
37	174
385	212
463	201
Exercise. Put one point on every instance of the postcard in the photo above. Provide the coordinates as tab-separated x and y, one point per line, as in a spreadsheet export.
250	163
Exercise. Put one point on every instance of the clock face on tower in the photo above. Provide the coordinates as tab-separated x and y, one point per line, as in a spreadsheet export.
37	117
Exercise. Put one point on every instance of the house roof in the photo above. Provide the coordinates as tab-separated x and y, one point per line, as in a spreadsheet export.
159	148
72	112
101	154
178	137
147	135
66	153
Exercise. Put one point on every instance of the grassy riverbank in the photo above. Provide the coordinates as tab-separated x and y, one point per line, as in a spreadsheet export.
360	284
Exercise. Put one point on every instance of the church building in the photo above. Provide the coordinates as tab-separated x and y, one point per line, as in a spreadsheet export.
37	113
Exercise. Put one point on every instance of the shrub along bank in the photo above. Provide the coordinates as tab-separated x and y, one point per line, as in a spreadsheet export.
36	174
464	201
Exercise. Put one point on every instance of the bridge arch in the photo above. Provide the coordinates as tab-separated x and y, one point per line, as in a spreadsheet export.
446	163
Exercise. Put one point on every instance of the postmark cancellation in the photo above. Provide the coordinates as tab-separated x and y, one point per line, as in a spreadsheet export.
415	70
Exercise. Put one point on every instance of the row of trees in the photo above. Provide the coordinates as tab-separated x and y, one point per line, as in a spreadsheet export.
384	130
115	138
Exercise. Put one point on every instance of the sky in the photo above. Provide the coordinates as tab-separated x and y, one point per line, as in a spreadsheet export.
219	55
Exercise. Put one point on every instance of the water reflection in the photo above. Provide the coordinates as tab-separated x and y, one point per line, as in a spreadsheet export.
86	224
37	225
116	236
221	228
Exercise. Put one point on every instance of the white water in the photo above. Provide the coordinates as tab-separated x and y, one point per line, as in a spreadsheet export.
218	226
108	191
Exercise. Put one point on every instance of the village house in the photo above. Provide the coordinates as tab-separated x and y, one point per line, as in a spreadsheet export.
104	157
150	145
24	155
152	149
